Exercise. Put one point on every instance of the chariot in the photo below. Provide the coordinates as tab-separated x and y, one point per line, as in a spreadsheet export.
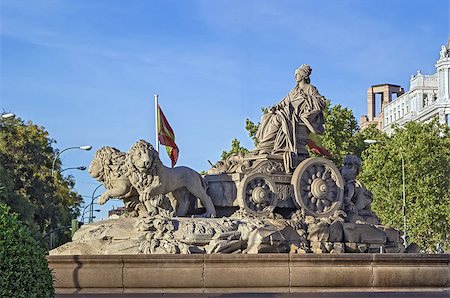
279	173
261	183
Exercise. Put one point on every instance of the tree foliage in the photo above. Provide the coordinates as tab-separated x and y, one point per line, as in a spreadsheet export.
340	137
425	149
236	148
23	269
44	203
252	128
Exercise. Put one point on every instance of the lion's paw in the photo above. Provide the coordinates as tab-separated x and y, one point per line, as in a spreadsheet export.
102	200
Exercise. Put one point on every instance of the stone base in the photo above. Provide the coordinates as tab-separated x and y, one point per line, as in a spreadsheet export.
261	273
183	235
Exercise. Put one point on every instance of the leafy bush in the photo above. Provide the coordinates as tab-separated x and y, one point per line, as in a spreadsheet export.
24	270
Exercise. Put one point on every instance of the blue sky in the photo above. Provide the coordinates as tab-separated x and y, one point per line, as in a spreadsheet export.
87	70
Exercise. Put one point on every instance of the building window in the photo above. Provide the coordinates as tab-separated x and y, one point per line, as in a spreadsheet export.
424	101
390	119
403	112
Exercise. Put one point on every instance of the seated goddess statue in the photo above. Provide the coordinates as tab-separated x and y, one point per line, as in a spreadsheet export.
284	129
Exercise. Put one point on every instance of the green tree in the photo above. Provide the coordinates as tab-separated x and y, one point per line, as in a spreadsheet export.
44	203
252	128
24	271
235	149
340	137
425	149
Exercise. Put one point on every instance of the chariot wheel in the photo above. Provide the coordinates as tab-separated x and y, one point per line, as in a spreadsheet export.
257	194
318	187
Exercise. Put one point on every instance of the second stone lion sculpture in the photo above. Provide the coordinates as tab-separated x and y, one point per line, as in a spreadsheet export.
141	171
109	167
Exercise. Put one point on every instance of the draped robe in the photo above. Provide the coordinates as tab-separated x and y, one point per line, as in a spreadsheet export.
285	128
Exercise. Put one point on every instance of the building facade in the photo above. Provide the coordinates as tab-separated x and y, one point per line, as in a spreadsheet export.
428	98
115	213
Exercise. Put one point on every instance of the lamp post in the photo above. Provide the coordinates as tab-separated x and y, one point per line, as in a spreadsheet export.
84	211
82	168
8	115
405	243
51	236
91	213
84	147
82	217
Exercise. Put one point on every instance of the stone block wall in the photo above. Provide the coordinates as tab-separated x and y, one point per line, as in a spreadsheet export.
241	273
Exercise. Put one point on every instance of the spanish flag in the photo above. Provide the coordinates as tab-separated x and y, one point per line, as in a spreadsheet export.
315	145
166	137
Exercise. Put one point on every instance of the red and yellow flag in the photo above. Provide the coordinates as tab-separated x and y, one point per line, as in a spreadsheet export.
166	137
315	145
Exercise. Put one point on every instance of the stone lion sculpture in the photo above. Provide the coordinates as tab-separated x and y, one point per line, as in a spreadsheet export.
109	167
151	178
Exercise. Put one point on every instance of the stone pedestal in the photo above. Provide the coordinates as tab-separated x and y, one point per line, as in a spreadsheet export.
261	273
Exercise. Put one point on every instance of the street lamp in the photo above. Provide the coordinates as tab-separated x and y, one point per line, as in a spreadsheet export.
84	147
82	217
82	168
369	142
91	213
405	243
51	235
84	211
8	115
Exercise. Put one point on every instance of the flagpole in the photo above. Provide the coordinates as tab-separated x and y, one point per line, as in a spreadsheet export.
156	122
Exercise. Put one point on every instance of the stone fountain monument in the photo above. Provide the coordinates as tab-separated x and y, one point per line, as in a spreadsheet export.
273	220
275	199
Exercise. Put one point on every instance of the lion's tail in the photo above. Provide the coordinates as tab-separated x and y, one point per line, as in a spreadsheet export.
203	182
205	186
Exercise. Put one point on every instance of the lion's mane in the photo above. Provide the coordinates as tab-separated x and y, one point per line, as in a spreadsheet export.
112	163
148	177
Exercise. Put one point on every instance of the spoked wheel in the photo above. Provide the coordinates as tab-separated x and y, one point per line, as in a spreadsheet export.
257	194
318	186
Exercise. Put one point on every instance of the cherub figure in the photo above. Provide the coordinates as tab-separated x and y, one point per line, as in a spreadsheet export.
357	199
